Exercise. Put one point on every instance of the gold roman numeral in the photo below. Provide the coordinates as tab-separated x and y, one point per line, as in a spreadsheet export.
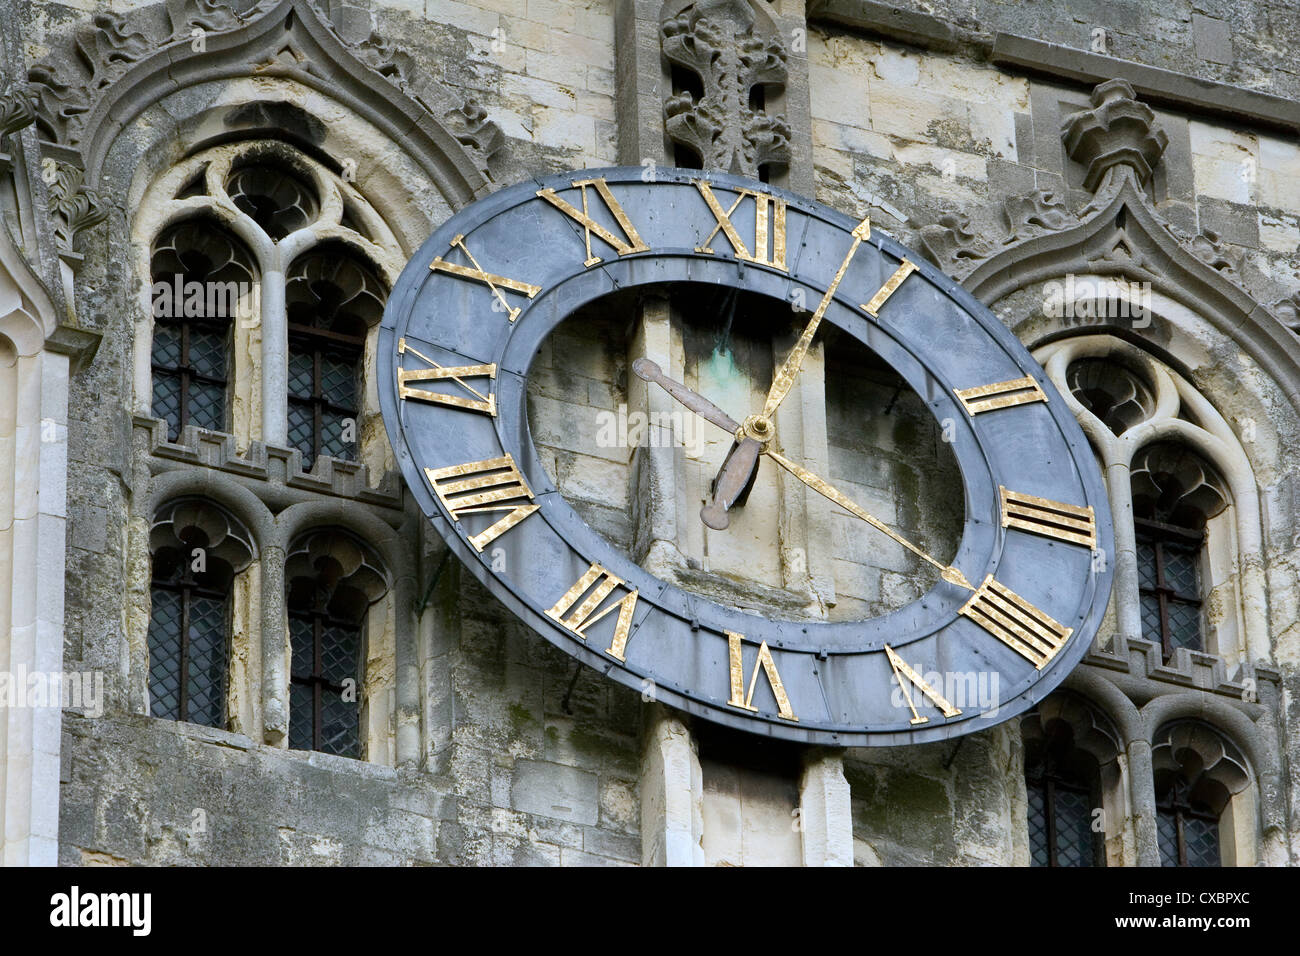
745	701
585	614
484	487
438	373
1015	622
986	398
769	223
1052	519
633	242
494	282
901	670
889	288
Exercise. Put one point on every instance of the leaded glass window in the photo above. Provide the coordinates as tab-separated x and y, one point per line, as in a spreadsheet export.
332	580
1187	826
189	627
1175	493
202	278
1063	789
332	300
1169	584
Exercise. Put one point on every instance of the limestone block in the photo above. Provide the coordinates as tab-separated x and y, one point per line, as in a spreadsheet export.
554	790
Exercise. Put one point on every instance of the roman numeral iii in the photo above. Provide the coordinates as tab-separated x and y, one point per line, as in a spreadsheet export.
765	663
484	487
441	373
586	614
1031	633
476	274
769	222
633	242
1051	519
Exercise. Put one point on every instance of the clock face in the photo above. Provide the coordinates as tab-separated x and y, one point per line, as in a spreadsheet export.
1011	615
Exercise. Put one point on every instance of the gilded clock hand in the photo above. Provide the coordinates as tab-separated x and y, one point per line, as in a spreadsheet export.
822	487
783	381
650	371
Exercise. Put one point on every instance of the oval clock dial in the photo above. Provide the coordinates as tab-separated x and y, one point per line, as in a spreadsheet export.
1018	605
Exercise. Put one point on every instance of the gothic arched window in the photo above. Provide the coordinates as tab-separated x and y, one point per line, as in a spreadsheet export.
202	278
331	580
1175	493
197	550
1197	772
332	300
1063	786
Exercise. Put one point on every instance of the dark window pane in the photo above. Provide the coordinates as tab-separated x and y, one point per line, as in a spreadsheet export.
208	406
1202	839
1180	571
301	373
339	380
338	725
1150	617
1184	625
165	655
1146	559
208	352
166	345
1038	849
207	666
301	641
1167	837
332	428
167	402
301	720
1074	837
338	653
302	431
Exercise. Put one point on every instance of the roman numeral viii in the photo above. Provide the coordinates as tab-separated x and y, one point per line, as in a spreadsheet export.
601	584
769	223
442	373
484	487
633	242
1031	633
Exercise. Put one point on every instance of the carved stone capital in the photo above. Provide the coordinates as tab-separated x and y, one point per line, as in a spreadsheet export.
1117	131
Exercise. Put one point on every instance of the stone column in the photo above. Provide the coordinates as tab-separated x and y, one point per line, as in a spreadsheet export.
825	810
672	793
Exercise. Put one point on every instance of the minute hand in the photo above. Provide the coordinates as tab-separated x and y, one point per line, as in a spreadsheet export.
822	487
785	376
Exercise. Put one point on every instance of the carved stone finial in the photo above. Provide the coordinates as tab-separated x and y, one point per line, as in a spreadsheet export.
472	128
74	209
1117	131
1288	311
717	42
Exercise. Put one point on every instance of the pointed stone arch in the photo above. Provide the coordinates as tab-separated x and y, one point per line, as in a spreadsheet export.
122	63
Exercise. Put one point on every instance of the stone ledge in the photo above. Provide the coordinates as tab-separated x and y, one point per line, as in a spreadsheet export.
1187	669
1155	85
330	476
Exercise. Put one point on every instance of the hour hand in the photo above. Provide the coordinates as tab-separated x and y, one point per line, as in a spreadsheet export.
651	372
732	483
